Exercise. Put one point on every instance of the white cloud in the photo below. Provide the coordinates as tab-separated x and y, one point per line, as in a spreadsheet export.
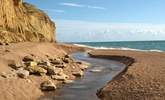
71	4
96	7
79	5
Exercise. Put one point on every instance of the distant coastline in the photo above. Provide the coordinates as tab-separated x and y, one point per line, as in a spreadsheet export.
158	46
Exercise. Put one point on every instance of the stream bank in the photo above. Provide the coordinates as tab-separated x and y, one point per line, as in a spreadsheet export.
100	72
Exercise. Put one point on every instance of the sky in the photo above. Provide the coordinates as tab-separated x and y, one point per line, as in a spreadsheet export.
105	20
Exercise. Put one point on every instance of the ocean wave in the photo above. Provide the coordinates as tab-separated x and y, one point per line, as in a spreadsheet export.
122	48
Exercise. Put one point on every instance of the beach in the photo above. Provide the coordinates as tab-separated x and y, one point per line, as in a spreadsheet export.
25	66
142	80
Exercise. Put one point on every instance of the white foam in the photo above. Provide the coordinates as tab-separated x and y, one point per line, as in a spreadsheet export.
122	48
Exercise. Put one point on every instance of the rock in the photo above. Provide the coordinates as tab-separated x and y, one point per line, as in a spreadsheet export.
54	70
67	56
48	86
78	74
22	73
66	60
64	75
58	77
79	62
56	61
83	67
27	59
16	65
60	66
44	65
31	63
47	63
36	70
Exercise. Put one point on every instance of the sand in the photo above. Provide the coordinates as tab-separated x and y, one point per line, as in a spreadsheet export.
144	78
16	88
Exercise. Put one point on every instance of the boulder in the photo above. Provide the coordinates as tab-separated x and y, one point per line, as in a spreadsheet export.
67	56
60	77
33	63
16	65
22	73
66	60
48	86
36	70
54	70
27	59
44	64
55	61
83	65
78	73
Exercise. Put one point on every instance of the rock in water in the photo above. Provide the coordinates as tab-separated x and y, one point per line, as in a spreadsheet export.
20	21
48	86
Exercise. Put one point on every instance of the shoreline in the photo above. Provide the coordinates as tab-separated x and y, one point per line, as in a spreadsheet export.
112	48
141	80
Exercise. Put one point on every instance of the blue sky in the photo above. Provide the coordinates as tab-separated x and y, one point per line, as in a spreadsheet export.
106	20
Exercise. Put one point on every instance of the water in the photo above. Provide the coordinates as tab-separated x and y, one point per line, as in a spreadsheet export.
85	88
132	45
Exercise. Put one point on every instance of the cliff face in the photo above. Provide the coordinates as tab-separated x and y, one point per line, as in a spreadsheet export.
21	22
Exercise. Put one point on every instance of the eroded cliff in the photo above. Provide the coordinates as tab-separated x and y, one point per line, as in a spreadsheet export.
21	22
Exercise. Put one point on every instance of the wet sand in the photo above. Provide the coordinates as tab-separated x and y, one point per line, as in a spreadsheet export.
144	79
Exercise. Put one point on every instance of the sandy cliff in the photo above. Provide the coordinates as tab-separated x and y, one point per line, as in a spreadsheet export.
21	22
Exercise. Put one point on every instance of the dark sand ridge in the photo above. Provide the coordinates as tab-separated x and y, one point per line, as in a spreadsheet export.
142	80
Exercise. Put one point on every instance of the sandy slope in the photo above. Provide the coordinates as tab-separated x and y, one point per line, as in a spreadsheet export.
16	88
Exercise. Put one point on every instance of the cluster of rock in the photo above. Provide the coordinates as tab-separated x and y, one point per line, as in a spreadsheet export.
52	67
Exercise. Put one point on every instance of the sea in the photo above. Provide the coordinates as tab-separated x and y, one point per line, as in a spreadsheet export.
158	46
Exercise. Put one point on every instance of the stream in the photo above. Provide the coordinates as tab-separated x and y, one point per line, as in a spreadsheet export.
95	77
